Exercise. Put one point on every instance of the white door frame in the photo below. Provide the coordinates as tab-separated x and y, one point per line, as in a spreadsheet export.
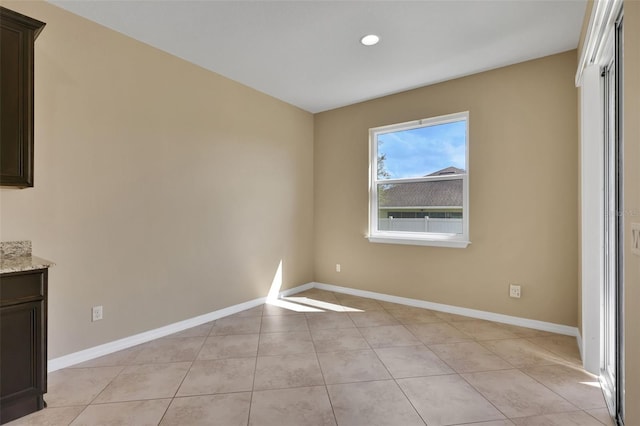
596	53
592	209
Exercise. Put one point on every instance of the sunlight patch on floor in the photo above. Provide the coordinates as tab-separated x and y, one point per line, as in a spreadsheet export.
292	306
592	384
300	304
321	304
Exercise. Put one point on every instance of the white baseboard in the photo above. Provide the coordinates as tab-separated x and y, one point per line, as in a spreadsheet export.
579	339
295	290
490	316
127	342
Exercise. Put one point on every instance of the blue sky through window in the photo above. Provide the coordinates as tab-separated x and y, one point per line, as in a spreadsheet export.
419	152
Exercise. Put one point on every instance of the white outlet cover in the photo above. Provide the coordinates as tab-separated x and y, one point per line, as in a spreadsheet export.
96	313
514	290
635	238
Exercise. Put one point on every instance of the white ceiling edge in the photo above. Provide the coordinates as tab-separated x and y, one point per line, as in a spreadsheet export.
307	53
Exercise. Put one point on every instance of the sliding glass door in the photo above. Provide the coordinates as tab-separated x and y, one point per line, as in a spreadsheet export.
613	348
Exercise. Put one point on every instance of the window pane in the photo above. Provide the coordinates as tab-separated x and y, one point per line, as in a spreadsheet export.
428	207
423	151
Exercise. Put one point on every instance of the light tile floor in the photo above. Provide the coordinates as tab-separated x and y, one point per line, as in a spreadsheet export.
347	361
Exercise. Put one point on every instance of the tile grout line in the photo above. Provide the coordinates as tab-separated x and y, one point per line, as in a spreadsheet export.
94	398
472	339
496	353
255	368
459	374
561	356
184	377
391	375
357	328
77	415
520	369
598	420
122	368
562	360
483	396
324	380
455	372
551	390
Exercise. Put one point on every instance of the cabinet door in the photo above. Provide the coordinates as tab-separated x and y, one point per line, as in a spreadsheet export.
21	363
17	36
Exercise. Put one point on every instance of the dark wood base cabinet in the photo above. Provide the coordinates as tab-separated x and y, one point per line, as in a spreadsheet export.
23	343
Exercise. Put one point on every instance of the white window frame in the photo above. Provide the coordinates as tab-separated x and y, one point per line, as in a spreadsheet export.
417	238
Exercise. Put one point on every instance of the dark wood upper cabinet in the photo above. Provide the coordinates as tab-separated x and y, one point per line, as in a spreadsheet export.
17	36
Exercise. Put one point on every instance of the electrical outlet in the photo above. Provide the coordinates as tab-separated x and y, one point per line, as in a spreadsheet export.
514	291
635	238
338	268
96	313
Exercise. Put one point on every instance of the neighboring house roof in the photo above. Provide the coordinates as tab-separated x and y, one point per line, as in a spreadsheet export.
448	171
443	193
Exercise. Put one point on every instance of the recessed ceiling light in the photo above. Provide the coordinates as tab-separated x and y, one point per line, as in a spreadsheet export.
370	40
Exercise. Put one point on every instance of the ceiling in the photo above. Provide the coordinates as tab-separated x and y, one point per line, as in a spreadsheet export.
307	52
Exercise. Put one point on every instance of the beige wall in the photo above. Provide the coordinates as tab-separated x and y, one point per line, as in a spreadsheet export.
523	195
631	207
162	191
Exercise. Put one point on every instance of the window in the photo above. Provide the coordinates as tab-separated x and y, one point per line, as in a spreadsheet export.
419	183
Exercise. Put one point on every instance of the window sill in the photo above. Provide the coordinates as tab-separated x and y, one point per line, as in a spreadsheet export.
431	242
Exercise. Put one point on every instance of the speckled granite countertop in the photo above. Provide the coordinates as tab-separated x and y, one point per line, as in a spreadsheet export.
15	256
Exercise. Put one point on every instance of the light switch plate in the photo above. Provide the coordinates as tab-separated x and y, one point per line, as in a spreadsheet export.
635	238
